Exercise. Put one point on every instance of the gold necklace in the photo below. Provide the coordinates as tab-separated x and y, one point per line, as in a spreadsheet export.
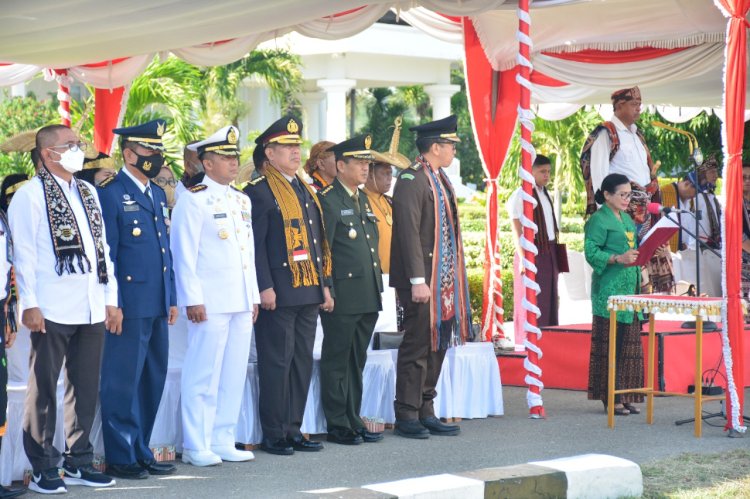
388	217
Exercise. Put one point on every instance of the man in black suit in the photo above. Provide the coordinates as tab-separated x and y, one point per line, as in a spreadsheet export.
293	265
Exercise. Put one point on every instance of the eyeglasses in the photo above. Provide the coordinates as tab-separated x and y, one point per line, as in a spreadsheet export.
163	182
451	144
625	194
73	146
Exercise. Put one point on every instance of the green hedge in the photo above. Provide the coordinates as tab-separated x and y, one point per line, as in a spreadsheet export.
476	292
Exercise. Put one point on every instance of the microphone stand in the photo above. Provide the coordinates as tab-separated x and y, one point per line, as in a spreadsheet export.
699	245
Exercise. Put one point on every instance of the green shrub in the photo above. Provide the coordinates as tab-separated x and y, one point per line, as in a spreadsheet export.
476	293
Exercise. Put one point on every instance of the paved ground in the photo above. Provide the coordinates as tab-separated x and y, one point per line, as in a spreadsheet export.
573	426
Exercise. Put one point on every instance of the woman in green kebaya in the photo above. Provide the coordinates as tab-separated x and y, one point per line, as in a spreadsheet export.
610	247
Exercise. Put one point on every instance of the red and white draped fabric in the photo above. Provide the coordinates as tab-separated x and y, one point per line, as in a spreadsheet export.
735	85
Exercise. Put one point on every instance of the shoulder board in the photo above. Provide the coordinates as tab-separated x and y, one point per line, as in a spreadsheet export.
258	180
416	166
406	176
238	188
107	181
198	188
325	191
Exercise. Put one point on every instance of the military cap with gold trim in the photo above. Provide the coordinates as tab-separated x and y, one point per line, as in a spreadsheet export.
287	130
444	129
225	142
148	135
356	147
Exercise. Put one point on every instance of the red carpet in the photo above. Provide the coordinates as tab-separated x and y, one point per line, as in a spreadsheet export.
566	349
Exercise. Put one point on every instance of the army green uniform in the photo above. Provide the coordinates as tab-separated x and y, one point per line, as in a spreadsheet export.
357	283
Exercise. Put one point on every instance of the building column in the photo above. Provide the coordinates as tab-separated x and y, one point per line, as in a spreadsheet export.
312	113
440	98
18	90
335	92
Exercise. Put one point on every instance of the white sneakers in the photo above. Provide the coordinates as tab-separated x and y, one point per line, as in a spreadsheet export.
232	454
215	456
200	457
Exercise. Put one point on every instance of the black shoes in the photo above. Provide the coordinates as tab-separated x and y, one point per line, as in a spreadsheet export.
369	436
344	436
411	428
436	427
302	444
278	446
127	471
6	493
157	468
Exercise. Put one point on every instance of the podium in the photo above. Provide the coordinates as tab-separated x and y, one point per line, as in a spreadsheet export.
700	307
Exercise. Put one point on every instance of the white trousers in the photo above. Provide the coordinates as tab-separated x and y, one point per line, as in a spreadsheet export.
213	379
710	271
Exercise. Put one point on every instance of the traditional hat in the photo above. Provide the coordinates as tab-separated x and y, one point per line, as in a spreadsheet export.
244	174
287	130
356	147
148	135
101	161
21	142
444	129
710	163
392	156
11	183
626	94
224	142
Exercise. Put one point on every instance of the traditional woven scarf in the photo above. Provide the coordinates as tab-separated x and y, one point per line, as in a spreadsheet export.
450	314
66	236
542	238
299	257
11	294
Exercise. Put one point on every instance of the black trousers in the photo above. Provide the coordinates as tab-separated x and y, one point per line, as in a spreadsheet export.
342	360
80	346
284	339
418	367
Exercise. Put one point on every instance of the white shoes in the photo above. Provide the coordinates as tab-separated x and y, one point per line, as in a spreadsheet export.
200	457
232	454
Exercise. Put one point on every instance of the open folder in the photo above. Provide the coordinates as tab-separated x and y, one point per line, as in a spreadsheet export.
659	234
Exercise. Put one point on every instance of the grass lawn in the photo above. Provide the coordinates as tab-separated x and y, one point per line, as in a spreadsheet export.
693	476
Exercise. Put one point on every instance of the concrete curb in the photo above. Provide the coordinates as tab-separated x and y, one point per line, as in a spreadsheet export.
585	476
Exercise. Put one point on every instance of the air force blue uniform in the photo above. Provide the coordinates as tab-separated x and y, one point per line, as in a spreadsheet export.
134	364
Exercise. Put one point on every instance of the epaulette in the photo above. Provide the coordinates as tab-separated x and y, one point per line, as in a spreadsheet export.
326	190
258	180
416	166
107	181
198	188
238	188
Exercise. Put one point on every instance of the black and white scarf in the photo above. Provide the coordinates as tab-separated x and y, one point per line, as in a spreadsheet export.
66	236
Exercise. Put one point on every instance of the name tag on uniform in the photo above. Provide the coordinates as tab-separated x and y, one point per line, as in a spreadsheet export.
220	215
131	207
245	216
347	212
372	216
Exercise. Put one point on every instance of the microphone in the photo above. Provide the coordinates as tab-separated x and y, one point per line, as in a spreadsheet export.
657	209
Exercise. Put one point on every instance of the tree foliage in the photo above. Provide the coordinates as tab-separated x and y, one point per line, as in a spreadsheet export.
19	114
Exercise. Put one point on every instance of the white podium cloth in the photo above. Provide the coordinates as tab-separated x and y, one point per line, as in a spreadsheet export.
248	429
477	391
168	423
13	461
18	356
178	341
387	317
314	420
379	386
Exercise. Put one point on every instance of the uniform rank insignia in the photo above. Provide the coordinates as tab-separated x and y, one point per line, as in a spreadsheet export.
198	188
406	176
107	181
326	190
416	166
238	189
258	180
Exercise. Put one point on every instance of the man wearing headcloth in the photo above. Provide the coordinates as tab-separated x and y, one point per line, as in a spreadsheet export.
293	261
618	146
134	363
213	247
429	274
69	296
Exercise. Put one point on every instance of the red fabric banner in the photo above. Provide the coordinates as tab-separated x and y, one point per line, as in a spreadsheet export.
735	83
614	57
108	105
493	139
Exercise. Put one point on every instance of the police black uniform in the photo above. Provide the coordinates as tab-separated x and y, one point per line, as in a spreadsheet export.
352	234
134	364
285	335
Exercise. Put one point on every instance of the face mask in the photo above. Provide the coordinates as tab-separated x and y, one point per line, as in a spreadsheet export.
169	191
149	165
71	161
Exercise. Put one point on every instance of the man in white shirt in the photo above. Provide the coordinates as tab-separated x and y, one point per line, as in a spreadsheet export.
68	296
214	262
546	261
